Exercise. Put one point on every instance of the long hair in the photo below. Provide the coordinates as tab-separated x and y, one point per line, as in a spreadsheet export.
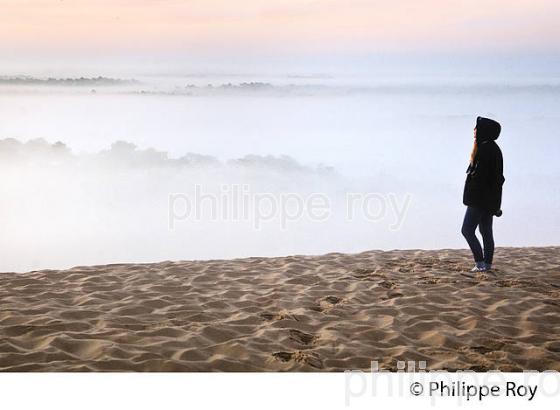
473	152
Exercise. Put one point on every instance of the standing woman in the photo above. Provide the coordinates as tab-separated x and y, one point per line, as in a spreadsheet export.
483	191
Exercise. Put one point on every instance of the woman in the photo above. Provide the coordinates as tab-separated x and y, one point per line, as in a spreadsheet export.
483	191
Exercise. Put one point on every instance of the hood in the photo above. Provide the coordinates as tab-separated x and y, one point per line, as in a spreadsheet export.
487	129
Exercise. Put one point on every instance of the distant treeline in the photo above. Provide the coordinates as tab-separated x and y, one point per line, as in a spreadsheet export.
263	88
85	81
123	154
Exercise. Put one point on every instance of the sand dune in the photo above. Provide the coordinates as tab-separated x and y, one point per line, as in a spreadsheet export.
300	313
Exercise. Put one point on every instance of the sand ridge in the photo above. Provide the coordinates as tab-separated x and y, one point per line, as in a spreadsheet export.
333	312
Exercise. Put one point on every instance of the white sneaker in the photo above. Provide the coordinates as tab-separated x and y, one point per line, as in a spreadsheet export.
480	268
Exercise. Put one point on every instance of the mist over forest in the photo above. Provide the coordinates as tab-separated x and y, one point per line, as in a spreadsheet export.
94	164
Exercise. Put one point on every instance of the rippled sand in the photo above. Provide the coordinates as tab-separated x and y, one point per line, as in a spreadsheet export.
301	313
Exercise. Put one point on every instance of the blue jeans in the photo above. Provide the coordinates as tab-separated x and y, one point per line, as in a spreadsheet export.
483	219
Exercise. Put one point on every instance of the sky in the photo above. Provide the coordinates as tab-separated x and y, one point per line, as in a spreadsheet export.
201	26
319	35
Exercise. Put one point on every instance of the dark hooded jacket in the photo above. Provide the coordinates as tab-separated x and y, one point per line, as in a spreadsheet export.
483	187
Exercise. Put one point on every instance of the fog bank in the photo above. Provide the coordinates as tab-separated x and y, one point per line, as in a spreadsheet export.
125	204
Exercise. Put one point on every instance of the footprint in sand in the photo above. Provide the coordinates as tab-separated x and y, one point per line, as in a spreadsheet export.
364	271
516	283
302	338
478	276
327	303
367	274
333	300
480	368
310	359
429	280
387	284
434	280
481	349
487	346
273	317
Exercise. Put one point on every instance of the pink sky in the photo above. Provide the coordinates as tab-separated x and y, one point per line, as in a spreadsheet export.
70	26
